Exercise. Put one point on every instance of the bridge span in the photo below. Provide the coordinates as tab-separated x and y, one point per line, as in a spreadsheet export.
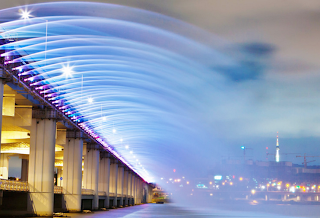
88	176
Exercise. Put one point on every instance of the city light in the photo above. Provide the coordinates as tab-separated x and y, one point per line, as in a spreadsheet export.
253	191
217	177
127	146
240	178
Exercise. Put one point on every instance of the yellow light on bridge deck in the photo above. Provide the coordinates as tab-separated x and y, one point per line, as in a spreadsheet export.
240	178
268	185
253	191
210	183
288	185
211	194
231	183
223	183
187	182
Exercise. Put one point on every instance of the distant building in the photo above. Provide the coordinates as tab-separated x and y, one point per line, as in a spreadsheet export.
277	150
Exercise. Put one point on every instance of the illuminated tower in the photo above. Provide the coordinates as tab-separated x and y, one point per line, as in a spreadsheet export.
277	150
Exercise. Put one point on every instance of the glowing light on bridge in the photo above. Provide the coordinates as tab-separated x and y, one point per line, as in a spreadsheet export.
134	73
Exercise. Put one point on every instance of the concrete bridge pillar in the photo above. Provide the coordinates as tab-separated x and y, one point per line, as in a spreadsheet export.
129	188
59	176
72	174
2	81
24	169
138	189
120	184
41	166
150	194
4	166
104	176
114	182
134	189
125	187
91	172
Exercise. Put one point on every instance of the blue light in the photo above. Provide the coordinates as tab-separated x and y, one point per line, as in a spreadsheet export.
242	147
137	72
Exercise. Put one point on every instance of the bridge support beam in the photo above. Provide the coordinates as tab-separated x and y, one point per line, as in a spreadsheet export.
125	187
24	169
104	177
114	182
120	184
2	82
129	188
72	174
41	166
91	172
4	166
135	192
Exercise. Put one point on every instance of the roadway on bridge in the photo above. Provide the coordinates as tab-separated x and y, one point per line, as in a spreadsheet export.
230	211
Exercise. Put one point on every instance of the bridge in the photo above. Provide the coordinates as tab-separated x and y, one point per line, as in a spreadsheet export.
49	125
86	169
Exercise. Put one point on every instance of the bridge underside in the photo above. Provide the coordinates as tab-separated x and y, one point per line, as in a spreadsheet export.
61	168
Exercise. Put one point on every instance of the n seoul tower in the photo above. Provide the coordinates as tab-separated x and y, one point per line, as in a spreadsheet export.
277	150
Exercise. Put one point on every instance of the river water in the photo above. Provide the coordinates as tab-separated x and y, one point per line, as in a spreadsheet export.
219	211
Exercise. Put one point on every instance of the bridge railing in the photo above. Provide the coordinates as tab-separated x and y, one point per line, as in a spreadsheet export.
12	185
102	193
87	192
58	189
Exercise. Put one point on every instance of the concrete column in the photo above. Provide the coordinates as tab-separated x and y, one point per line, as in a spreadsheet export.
149	194
140	191
72	174
125	187
1	102
41	166
104	177
59	176
129	187
120	184
114	182
91	172
137	190
4	166
135	186
24	170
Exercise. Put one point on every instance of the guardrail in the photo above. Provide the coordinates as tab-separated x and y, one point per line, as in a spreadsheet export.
12	185
58	189
111	194
87	192
102	193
